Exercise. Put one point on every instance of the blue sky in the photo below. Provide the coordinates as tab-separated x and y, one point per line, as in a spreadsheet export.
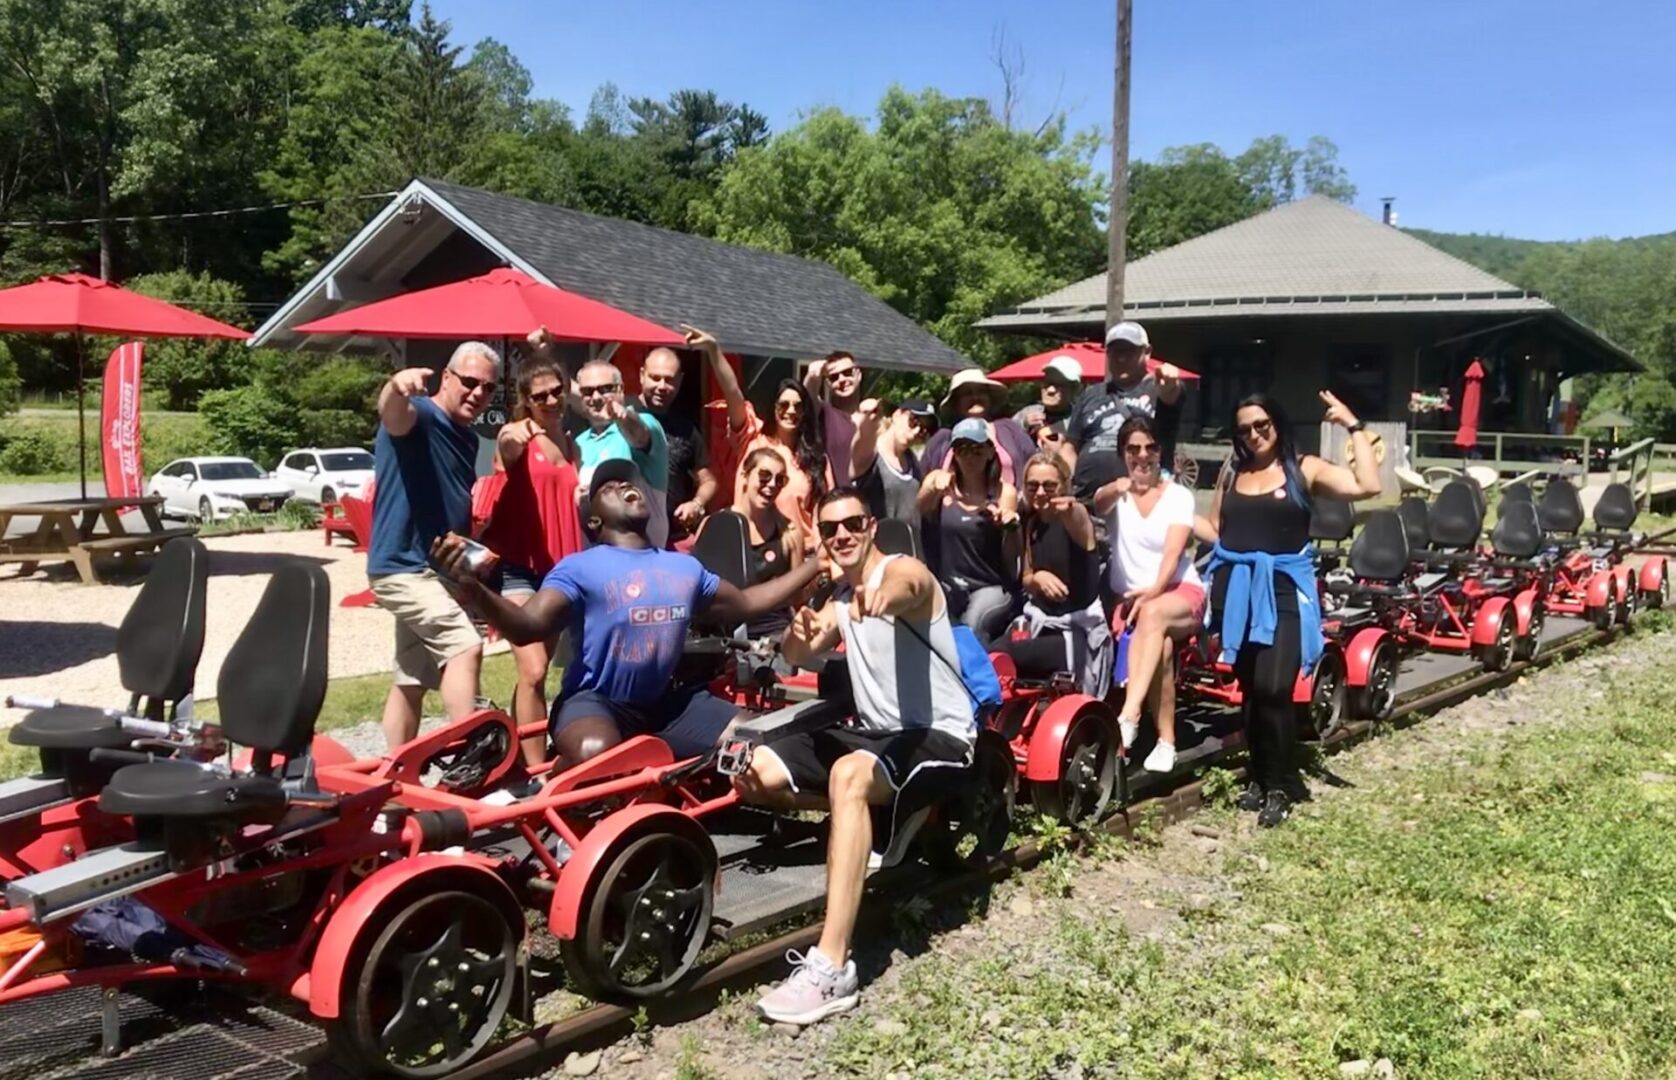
1529	118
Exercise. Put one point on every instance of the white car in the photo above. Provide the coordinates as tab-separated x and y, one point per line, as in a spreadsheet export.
320	476
210	488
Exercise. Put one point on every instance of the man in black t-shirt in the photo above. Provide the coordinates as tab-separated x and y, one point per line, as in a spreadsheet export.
1090	443
692	483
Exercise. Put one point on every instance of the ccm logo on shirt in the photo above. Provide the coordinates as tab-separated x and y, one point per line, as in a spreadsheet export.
653	616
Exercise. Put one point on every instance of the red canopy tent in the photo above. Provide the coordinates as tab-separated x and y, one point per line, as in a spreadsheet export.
1090	354
503	303
80	304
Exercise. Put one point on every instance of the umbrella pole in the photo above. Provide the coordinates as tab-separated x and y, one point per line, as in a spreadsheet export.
81	415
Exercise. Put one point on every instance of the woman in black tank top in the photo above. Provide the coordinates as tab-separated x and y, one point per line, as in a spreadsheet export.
775	544
1262	505
971	528
1061	568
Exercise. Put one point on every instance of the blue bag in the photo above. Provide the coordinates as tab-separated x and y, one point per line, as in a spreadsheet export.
975	669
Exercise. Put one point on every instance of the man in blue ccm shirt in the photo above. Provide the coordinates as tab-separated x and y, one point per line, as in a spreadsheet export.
628	604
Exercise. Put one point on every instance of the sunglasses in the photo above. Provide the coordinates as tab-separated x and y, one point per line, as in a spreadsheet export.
770	478
1041	485
855	525
600	390
472	384
834	376
546	397
1141	449
970	449
1259	427
788	406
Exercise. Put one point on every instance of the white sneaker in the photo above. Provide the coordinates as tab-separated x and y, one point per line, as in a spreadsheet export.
815	990
899	843
1162	759
1127	730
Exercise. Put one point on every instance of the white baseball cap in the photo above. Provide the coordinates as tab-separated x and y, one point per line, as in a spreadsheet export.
1065	367
1132	332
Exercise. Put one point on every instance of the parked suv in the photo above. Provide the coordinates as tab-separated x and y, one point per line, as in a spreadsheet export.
321	476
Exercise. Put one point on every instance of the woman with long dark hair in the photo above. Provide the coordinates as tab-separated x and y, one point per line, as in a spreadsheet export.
1263	588
1063	616
971	520
1150	521
794	433
534	522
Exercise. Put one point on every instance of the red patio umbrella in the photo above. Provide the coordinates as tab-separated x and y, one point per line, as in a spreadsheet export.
503	303
1472	397
80	304
1090	354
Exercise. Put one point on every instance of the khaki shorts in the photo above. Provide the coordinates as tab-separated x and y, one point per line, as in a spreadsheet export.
431	627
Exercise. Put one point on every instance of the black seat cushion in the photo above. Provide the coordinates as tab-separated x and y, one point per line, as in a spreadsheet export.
1561	509
172	789
721	546
274	678
1331	519
69	727
1517	534
1518	491
1457	518
896	537
1616	509
162	636
1380	552
1416	521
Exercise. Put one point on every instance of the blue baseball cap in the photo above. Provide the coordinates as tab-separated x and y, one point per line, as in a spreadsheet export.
971	429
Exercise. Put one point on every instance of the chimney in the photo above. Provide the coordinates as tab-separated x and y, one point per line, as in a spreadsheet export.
1388	217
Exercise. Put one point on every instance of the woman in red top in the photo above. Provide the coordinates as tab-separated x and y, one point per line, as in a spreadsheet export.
534	523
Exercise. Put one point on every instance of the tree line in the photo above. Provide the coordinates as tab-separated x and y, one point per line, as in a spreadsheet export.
122	115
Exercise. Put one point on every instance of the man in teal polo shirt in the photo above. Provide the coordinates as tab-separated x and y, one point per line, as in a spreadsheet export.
616	429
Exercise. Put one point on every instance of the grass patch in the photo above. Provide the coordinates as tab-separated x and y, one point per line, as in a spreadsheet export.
1508	912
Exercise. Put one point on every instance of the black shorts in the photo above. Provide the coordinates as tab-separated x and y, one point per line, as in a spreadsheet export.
690	719
808	756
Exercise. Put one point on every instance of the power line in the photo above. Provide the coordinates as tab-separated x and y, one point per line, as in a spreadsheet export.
186	215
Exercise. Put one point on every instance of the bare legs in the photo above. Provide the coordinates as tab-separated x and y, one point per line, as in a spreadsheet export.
529	697
459	697
855	783
1164	619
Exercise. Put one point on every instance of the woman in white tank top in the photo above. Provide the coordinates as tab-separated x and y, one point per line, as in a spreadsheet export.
1154	580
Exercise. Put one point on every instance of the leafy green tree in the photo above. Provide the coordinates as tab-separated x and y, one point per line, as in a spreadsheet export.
1276	171
939	209
1189	191
11	386
184	369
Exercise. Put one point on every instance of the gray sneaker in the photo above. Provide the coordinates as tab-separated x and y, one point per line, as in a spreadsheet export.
813	991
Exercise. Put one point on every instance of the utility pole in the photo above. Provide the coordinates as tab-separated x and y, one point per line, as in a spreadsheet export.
1117	223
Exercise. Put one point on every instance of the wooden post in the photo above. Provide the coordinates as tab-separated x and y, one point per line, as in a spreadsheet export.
1117	223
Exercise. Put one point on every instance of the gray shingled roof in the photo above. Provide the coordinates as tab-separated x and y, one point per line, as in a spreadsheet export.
1311	255
756	302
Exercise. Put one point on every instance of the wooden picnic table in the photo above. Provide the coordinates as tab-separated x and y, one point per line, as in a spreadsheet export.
79	529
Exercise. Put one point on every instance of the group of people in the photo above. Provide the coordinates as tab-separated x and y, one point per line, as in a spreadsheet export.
1034	532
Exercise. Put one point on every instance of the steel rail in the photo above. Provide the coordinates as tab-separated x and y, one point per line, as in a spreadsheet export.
599	1025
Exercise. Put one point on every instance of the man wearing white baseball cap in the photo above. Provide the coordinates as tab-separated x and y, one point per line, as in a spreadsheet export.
1061	382
1090	443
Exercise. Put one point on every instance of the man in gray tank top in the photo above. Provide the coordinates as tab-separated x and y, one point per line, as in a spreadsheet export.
913	714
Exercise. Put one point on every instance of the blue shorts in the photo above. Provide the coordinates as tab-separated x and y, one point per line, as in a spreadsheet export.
690	719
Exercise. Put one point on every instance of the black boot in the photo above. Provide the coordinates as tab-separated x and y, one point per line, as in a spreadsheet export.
1251	798
1277	807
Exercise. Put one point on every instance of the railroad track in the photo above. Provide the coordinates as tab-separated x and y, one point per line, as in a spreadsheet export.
598	1025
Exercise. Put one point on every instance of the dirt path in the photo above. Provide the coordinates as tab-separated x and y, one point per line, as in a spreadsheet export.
1174	906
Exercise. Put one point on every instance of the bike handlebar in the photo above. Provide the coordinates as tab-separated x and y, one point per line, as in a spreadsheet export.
151	729
30	701
120	757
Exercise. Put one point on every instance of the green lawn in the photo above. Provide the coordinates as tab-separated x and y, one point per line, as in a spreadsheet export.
1490	907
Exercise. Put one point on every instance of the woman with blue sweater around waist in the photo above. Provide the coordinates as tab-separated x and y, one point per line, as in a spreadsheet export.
1263	592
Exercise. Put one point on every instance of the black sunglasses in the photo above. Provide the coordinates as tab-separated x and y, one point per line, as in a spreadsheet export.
1041	485
834	376
1260	427
1141	449
855	525
600	389
766	477
546	397
472	384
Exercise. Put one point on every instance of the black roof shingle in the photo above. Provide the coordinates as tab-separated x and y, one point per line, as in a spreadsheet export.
757	302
